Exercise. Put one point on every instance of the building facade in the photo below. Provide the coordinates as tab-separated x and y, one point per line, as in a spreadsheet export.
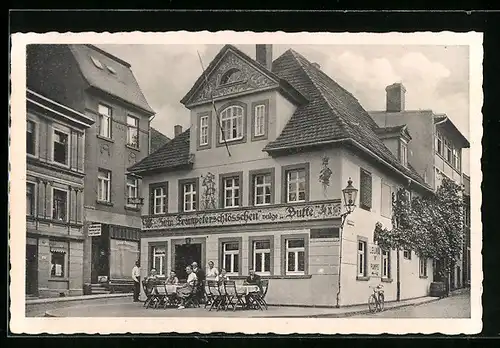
55	156
435	150
104	86
256	182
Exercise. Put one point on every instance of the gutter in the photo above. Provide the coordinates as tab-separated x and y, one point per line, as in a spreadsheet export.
149	133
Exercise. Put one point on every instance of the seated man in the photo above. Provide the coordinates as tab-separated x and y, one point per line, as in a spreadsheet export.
252	279
172	279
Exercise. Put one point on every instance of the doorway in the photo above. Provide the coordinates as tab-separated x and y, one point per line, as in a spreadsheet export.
31	269
100	256
186	254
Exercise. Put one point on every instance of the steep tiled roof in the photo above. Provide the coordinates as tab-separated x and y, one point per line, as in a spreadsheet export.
332	115
173	154
157	139
121	84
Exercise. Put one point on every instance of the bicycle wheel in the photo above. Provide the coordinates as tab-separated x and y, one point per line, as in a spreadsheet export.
381	302
372	304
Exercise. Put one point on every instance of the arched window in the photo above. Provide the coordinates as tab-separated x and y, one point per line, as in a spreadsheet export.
232	75
231	119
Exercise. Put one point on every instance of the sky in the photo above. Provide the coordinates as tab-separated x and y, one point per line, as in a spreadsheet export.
435	77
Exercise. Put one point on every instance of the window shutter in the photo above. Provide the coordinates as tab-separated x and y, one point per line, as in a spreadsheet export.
151	200
366	189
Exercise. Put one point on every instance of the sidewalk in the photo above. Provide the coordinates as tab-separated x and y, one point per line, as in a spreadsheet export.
124	307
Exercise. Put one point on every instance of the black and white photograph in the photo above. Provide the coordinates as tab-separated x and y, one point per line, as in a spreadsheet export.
235	181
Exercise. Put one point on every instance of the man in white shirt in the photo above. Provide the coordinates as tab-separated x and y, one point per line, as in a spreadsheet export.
136	277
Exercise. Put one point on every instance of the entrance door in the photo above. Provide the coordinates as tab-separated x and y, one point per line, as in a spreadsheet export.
185	255
100	255
31	269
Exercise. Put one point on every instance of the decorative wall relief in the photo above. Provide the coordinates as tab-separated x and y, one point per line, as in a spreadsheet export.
105	148
208	198
132	157
325	174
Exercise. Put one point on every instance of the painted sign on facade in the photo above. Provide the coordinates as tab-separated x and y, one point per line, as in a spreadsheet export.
94	230
374	261
246	216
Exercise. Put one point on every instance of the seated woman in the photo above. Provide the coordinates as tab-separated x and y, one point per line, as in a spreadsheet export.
172	279
212	272
185	291
222	276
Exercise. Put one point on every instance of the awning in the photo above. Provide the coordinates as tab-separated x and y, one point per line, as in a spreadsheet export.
58	250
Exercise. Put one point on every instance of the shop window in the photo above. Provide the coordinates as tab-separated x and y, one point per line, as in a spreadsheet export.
105	120
57	261
423	267
59	204
365	190
60	150
133	131
30	137
386	264
104	185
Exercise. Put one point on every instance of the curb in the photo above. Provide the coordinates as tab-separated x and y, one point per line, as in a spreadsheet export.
75	298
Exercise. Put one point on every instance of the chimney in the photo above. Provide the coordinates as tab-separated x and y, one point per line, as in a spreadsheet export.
395	97
264	55
177	130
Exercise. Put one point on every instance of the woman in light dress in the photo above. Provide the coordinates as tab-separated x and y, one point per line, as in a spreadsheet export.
186	290
212	272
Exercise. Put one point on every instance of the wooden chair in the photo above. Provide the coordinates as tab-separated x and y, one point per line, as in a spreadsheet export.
260	297
233	297
193	298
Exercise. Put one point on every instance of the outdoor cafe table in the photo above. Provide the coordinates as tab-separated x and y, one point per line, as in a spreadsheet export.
172	288
240	289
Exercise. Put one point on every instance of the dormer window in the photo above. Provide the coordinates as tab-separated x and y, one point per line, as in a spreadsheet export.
97	62
403	152
230	76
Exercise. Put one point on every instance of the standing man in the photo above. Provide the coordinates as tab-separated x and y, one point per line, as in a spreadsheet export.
136	277
200	275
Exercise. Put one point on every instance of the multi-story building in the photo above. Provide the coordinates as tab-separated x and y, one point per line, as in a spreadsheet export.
105	87
436	147
55	144
256	182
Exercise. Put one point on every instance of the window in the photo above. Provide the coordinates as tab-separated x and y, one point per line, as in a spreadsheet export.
439	143
30	137
231	119
295	256
158	198
423	267
260	120
296	185
230	76
97	62
159	254
59	204
386	207
132	189
262	256
104	185
189	196
362	258
104	121
386	264
230	257
30	198
407	254
57	261
448	148
133	131
204	130
403	153
262	189
60	147
231	191
365	190
456	159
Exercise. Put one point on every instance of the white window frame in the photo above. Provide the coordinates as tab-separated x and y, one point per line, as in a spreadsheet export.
132	188
439	144
403	149
68	147
361	259
52	203
161	254
162	196
260	120
388	200
35	137
422	267
204	129
101	182
261	253
386	259
35	197
456	158
102	116
296	251
448	148
263	186
135	128
189	197
296	184
229	121
233	188
234	254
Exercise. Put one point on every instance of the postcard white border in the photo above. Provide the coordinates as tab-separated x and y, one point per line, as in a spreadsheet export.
20	324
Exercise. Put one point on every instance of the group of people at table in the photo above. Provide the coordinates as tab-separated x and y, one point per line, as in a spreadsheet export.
195	280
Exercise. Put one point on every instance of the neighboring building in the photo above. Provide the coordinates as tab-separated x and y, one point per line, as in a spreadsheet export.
55	143
271	198
156	139
106	88
435	149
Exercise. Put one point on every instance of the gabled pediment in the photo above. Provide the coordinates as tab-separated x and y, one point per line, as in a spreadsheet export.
231	73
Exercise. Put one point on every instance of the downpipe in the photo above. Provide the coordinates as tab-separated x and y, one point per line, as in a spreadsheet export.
343	218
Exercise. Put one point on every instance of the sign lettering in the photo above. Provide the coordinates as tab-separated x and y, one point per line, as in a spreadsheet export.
94	230
375	261
273	214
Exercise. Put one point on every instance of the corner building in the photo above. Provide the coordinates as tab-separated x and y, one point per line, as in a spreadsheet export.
271	199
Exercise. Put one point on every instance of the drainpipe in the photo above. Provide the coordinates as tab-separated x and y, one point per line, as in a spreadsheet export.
343	219
149	133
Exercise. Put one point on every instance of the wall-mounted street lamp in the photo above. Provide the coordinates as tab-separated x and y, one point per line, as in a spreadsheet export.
350	194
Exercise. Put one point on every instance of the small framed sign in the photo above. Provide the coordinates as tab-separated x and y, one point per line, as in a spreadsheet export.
135	200
94	230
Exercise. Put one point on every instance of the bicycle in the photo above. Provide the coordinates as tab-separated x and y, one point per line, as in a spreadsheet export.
376	300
